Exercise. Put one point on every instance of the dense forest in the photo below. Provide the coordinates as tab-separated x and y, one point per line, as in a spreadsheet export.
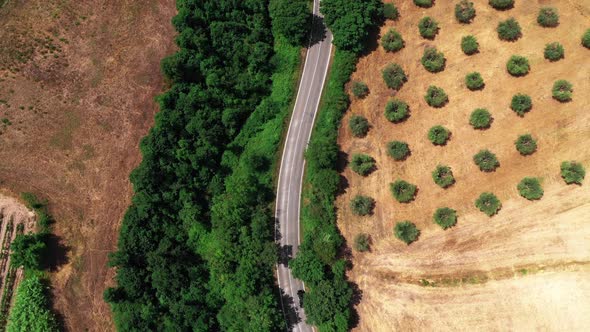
196	249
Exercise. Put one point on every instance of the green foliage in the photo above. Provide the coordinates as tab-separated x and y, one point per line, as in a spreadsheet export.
396	111
394	76
518	65
572	172
351	21
502	4
530	188
32	310
390	11
474	81
362	205
521	104
358	125
362	164
480	119
398	150
464	11
553	51
526	144
290	19
469	45
428	27
424	3
362	242
436	97
360	89
548	17
28	250
509	30
443	176
488	203
433	60
445	217
486	161
439	135
329	302
406	231
562	90
403	191
392	41
586	39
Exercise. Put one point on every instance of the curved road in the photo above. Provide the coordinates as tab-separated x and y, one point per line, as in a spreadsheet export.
292	164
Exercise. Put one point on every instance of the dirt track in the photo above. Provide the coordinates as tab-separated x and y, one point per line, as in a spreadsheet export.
543	237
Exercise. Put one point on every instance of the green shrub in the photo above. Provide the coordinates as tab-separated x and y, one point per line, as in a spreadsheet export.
488	203
562	90
474	81
398	150
509	30
486	161
518	65
396	111
469	45
554	51
360	89
439	135
362	205
548	17
521	104
394	76
390	11
572	172
392	41
362	164
464	11
443	176
436	97
424	3
428	27
502	4
28	251
433	60
403	191
406	231
32	307
291	19
359	125
586	39
445	217
480	119
526	144
530	188
362	242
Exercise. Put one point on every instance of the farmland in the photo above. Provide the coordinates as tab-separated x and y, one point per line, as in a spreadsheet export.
515	261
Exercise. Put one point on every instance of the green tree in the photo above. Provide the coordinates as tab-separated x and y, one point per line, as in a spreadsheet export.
406	231
398	150
509	30
521	104
469	45
28	250
486	161
327	303
474	81
351	21
553	51
360	89
518	65
439	135
530	188
424	3
433	60
548	17
586	39
362	164
480	119
403	191
526	144
562	90
362	205
464	11
502	4
392	41
31	310
390	11
443	176
436	97
572	172
396	111
428	27
445	217
394	76
359	126
291	19
307	266
488	203
362	242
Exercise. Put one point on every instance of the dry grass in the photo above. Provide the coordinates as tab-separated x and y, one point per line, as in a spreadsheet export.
552	231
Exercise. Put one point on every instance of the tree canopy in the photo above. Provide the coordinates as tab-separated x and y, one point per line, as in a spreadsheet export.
30	311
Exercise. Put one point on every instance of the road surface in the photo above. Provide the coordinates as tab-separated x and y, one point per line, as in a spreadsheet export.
292	165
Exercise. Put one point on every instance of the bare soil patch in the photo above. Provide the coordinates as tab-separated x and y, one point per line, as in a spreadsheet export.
77	87
553	231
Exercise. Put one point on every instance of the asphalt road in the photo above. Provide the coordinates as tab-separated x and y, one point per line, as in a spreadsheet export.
292	164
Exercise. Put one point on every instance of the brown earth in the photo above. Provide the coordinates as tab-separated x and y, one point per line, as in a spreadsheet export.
77	85
475	265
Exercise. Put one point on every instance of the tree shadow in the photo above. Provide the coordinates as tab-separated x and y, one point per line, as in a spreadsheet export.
341	161
342	186
289	310
57	253
285	254
357	295
318	30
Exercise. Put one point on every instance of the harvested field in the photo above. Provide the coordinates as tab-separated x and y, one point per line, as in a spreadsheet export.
77	87
475	265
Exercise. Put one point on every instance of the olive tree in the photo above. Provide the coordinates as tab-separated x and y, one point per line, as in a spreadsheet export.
396	111
436	97
548	17
521	104
390	11
428	27
398	150
562	90
445	217
443	176
394	76
464	11
359	125
474	81
554	52
586	39
392	41
403	191
480	119
509	30
469	45
530	188
486	161
406	231
362	164
424	3
439	135
502	4
526	144
433	60
488	203
518	65
362	205
572	172
362	242
359	89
